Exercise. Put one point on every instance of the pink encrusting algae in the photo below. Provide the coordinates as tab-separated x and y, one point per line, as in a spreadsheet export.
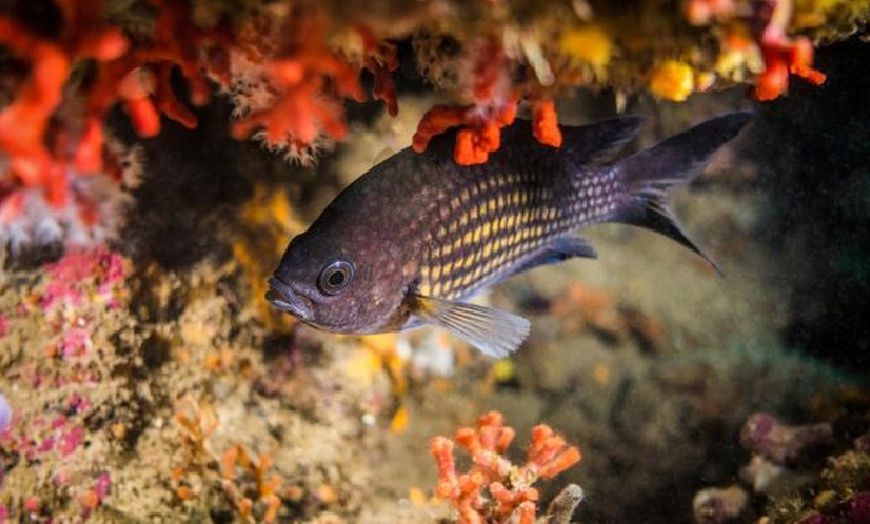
53	431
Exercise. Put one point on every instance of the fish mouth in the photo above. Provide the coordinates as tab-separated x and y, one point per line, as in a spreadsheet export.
282	297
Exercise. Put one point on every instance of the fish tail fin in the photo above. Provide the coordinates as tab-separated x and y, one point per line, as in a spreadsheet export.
650	174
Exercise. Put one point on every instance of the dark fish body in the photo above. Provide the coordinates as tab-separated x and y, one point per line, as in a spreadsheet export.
418	234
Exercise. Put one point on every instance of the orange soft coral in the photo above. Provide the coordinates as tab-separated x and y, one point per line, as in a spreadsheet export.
52	132
24	122
381	59
494	107
310	81
782	55
141	80
512	497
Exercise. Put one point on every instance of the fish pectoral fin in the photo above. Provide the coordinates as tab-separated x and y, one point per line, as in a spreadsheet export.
559	250
494	332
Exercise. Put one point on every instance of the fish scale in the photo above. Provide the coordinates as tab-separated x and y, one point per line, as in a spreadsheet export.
491	220
408	241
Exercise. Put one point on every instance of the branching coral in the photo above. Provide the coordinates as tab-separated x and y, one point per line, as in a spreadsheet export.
289	83
769	22
52	132
290	66
511	496
494	105
52	136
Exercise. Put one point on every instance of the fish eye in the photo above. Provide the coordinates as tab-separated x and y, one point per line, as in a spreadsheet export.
335	276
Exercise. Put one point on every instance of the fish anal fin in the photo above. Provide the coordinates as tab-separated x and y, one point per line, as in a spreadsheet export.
559	250
494	332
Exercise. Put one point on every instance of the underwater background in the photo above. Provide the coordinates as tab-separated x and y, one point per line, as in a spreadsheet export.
157	156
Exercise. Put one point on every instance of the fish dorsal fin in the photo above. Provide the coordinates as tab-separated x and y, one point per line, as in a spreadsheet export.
494	332
598	143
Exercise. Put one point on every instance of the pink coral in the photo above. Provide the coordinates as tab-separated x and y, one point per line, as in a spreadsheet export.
67	279
779	443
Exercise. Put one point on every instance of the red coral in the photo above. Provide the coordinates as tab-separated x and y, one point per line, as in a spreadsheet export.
305	81
381	59
782	58
495	106
512	497
474	142
545	124
310	79
49	158
781	54
141	80
24	122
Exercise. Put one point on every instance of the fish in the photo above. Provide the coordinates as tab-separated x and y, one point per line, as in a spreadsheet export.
412	240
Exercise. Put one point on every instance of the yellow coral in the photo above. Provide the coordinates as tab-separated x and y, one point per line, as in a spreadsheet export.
268	221
590	44
672	80
834	13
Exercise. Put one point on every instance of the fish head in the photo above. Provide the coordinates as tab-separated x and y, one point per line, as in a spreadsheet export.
338	281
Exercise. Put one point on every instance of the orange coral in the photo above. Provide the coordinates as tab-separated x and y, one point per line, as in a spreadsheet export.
782	57
781	54
512	497
381	59
495	106
311	80
48	158
767	22
141	80
545	123
264	489
24	122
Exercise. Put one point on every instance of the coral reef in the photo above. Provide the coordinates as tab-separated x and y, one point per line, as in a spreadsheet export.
290	66
130	398
149	381
810	473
